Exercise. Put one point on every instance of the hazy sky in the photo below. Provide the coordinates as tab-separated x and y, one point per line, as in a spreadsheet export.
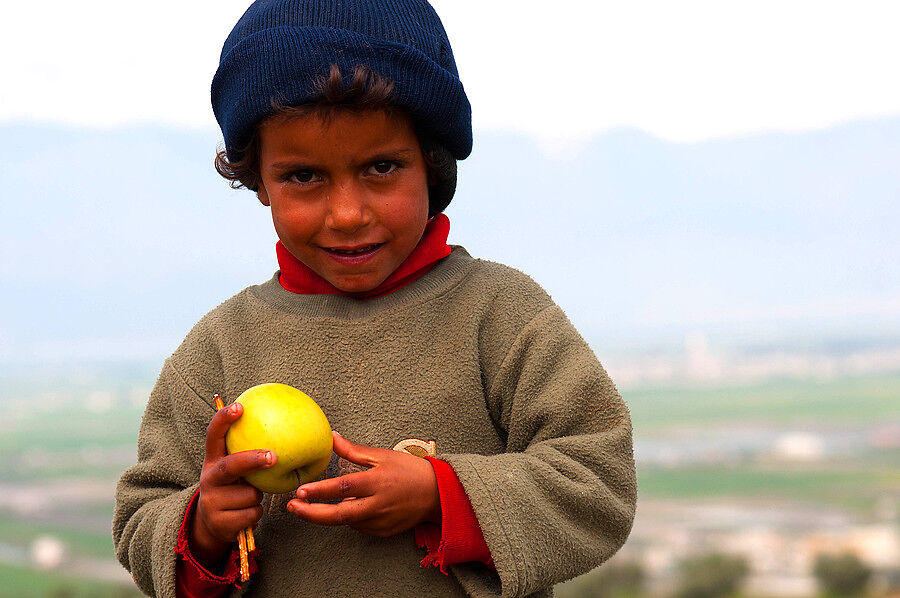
682	70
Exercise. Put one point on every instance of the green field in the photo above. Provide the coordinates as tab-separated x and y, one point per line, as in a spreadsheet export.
854	482
19	582
70	429
845	400
21	532
68	442
855	489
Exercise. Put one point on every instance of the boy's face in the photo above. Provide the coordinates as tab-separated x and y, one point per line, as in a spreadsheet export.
349	196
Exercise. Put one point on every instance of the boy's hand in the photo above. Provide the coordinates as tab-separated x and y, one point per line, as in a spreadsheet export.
226	504
398	492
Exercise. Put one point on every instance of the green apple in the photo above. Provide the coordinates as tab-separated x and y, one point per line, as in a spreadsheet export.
283	419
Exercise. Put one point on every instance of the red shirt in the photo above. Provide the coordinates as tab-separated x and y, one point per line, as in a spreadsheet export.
458	539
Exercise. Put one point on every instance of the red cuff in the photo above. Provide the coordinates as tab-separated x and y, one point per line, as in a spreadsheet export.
458	539
193	580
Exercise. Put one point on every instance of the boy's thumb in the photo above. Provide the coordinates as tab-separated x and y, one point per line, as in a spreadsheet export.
339	443
356	453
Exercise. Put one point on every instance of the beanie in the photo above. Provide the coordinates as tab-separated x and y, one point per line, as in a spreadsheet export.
279	48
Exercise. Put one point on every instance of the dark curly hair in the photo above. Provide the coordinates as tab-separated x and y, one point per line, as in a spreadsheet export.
367	90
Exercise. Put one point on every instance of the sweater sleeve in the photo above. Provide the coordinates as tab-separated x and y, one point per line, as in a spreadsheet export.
153	495
561	499
458	539
192	579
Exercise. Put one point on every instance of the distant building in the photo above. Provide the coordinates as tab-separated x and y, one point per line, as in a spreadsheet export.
47	552
799	446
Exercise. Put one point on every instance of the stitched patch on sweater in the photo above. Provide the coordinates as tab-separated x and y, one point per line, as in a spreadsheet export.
419	448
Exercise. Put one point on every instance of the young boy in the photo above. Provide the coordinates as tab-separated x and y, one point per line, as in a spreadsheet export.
346	118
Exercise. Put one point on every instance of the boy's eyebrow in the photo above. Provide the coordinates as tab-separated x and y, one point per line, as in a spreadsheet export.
402	153
395	154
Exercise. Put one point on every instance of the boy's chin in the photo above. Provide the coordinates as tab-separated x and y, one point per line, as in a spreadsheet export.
362	285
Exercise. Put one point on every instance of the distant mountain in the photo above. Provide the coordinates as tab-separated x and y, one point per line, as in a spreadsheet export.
114	242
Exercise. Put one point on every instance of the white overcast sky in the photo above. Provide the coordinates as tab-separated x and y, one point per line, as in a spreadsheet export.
684	71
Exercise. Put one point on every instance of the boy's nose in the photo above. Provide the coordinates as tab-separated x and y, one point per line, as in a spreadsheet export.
347	211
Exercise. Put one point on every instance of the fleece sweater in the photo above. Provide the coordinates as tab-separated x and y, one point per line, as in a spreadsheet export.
458	539
472	356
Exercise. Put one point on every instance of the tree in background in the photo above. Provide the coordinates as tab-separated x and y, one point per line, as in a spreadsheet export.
841	575
711	576
613	580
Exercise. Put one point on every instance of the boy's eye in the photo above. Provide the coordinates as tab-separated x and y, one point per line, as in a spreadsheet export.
384	167
302	176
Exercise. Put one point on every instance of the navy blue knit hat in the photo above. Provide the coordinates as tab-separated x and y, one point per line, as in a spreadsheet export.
280	47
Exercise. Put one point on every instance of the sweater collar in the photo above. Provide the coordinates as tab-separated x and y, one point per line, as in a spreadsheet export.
297	277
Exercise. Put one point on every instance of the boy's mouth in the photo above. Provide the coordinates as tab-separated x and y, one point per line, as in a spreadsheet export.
353	251
353	256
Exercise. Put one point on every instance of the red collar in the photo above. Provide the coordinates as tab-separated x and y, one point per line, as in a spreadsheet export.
297	277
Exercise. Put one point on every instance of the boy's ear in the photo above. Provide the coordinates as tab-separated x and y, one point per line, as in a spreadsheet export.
262	195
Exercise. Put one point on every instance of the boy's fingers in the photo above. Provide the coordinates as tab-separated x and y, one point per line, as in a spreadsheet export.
237	519
347	512
356	453
231	468
238	496
218	426
345	486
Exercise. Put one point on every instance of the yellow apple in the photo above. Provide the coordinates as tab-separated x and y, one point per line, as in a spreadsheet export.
283	419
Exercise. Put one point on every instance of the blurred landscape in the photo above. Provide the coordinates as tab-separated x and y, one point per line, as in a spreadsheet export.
744	295
775	471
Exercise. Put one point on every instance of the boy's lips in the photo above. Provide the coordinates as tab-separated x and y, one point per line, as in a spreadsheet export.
353	255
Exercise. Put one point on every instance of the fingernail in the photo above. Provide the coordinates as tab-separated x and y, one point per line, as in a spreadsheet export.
338	433
301	493
233	408
269	457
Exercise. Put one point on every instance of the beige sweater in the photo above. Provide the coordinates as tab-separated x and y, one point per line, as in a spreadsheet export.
474	356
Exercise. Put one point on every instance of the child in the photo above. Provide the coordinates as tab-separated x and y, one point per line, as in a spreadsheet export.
347	118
